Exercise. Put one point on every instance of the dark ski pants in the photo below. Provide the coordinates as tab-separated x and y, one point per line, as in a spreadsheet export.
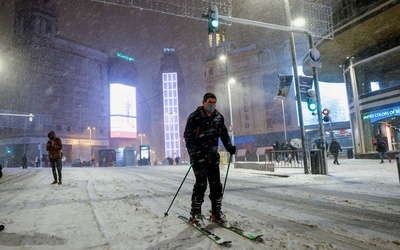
206	171
56	164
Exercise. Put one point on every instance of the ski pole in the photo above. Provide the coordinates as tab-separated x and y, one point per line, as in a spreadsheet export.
227	171
166	213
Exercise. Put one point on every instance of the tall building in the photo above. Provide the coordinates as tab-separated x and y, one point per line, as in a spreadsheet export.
171	106
64	84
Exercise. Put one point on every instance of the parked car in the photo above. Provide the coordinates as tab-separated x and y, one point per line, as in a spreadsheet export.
80	163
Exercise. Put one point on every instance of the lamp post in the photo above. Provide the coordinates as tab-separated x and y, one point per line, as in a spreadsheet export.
90	140
224	58
229	81
141	138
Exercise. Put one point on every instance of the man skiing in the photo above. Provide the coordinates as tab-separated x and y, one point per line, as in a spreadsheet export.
203	129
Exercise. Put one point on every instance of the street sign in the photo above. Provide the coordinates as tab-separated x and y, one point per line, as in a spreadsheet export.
306	83
315	58
285	81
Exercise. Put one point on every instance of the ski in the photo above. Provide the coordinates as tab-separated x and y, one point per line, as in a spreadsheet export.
207	233
239	231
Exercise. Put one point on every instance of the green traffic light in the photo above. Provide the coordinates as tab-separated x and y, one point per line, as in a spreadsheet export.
213	21
312	106
214	24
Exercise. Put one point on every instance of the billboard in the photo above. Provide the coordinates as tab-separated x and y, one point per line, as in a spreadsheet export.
123	122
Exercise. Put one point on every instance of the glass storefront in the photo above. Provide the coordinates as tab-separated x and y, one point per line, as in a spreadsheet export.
373	89
382	124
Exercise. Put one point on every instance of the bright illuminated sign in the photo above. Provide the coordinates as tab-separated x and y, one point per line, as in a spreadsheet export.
123	111
128	58
375	116
168	50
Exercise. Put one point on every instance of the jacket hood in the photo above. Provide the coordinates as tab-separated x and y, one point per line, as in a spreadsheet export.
51	134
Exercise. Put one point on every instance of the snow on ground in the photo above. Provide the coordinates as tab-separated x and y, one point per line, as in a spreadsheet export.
355	206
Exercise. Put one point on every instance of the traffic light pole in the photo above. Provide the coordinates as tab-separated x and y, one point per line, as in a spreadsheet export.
297	86
324	161
315	75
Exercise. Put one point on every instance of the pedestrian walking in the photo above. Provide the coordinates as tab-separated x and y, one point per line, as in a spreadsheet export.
334	148
204	127
24	162
37	162
292	152
54	146
381	148
276	146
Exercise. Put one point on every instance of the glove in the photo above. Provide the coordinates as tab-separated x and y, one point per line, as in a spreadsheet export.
232	150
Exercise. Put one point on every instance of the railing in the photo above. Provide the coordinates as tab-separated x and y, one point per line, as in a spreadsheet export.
284	158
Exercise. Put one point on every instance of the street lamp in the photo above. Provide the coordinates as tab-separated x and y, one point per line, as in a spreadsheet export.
230	81
141	138
90	140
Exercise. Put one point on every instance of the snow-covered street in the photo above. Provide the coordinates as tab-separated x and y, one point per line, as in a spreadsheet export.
355	206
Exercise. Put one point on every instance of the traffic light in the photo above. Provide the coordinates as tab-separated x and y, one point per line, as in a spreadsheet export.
326	117
213	21
311	100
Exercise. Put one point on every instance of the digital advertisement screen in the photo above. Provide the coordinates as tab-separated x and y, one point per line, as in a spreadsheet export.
123	111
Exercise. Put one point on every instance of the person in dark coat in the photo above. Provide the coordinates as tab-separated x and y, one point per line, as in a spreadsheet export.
276	146
334	148
204	127
381	148
24	161
293	151
318	144
54	146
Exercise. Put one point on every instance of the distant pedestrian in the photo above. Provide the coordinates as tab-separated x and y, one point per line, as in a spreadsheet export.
37	161
24	161
54	146
381	148
292	151
276	146
318	144
334	148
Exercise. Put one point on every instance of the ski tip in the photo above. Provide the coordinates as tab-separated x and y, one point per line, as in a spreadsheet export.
258	238
226	243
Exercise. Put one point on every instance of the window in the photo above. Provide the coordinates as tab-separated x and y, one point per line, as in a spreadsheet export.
375	86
